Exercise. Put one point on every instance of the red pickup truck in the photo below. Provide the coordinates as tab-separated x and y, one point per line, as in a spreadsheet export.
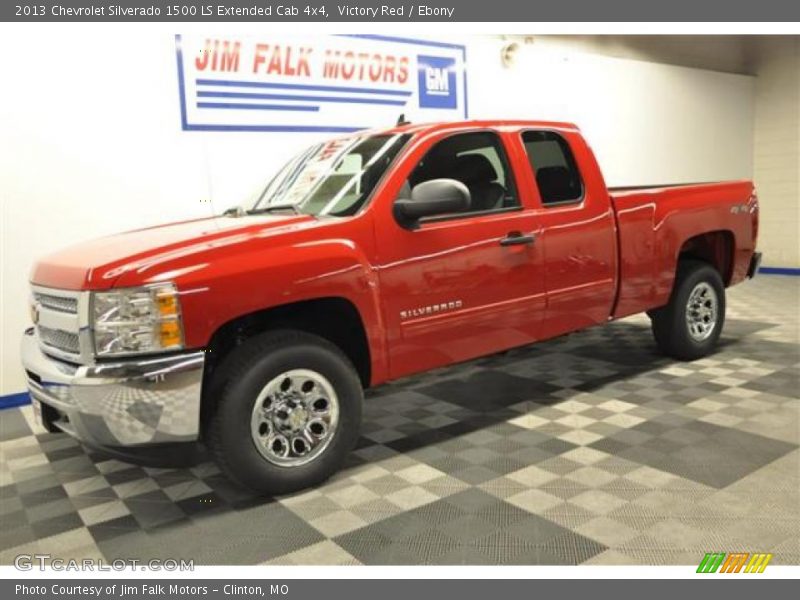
365	259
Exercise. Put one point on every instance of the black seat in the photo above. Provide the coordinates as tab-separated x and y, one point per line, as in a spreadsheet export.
477	173
556	184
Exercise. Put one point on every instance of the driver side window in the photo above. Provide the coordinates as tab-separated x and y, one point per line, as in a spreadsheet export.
479	162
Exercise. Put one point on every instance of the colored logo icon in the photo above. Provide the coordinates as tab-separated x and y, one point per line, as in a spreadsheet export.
737	562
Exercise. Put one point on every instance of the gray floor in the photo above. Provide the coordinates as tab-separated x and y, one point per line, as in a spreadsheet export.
587	449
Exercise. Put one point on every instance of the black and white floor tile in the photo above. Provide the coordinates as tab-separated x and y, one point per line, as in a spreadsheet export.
591	448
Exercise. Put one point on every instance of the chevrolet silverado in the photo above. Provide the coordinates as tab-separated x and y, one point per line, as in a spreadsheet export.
365	259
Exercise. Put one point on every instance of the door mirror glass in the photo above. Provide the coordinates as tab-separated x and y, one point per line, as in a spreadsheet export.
432	198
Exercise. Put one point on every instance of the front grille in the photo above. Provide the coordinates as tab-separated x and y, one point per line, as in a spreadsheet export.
61	340
59	303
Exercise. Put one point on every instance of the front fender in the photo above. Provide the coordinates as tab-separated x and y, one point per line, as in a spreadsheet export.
230	281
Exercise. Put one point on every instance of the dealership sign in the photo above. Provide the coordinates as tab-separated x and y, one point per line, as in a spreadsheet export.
330	84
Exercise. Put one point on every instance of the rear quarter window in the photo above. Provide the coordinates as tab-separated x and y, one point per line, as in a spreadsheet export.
554	167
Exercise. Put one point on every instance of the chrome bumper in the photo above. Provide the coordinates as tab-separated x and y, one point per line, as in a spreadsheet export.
121	404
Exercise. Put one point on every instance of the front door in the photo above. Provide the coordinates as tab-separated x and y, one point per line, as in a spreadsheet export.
468	284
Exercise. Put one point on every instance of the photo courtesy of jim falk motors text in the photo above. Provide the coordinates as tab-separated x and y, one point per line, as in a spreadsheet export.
127	590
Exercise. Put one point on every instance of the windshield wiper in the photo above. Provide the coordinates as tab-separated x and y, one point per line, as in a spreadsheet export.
275	207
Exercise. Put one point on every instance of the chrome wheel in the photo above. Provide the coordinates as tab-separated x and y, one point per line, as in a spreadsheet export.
294	418
702	311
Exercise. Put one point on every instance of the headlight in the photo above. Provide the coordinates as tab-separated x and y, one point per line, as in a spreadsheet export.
137	320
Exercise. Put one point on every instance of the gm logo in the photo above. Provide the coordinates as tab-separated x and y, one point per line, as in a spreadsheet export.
437	82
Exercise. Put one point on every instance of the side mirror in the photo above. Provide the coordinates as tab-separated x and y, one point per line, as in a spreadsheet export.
430	198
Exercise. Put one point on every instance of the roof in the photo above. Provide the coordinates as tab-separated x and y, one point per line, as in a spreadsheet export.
414	128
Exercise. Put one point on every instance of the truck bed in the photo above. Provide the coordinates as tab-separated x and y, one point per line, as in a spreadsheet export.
654	221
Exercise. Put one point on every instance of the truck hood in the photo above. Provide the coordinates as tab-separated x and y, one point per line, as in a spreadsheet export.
97	264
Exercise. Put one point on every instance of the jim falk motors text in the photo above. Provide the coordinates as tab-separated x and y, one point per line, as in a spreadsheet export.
296	60
158	589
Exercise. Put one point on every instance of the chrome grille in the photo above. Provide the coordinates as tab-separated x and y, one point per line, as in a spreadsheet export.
61	340
59	303
61	323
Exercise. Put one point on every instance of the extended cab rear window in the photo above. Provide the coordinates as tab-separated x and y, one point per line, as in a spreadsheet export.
554	167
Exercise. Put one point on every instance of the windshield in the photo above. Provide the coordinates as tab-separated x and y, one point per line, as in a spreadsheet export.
331	178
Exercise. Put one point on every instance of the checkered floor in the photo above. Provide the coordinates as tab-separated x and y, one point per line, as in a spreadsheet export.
587	449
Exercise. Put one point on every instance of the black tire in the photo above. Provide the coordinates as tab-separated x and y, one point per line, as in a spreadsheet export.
669	323
240	380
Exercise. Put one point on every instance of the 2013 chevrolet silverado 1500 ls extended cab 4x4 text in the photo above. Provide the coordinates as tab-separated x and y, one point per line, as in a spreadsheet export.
365	259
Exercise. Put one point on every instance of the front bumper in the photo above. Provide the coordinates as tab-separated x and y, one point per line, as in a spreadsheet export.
755	263
124	404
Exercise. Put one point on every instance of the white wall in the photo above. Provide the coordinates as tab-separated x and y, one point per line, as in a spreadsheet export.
91	141
777	149
725	53
647	122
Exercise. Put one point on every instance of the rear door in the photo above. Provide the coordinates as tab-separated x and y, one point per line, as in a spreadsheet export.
461	285
578	231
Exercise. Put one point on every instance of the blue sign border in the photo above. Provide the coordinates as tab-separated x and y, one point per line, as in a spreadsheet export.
186	126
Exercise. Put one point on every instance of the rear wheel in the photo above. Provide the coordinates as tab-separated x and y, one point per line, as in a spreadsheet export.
689	326
287	412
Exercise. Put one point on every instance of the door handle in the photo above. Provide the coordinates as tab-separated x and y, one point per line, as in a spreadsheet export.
515	238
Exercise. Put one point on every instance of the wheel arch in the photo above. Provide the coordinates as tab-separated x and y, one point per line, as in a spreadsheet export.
333	318
713	247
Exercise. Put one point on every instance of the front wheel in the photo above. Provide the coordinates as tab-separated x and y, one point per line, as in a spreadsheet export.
287	413
689	326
